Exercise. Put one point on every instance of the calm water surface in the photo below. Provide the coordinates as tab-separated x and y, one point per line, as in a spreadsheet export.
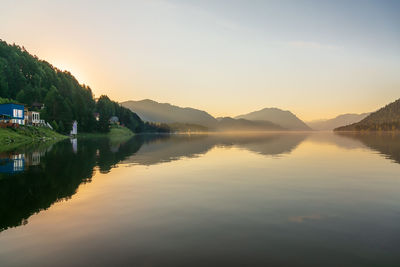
203	200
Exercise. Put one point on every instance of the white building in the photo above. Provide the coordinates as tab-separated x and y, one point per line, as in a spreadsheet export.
74	130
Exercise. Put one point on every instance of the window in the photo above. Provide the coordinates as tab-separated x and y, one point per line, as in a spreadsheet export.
20	114
15	113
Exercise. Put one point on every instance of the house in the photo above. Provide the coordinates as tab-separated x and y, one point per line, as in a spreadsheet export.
33	118
114	120
13	112
37	105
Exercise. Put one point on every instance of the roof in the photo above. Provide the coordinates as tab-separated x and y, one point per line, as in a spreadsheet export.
13	103
114	118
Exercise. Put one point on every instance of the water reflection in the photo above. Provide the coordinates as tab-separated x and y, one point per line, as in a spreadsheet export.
33	178
195	200
21	159
387	144
172	147
12	163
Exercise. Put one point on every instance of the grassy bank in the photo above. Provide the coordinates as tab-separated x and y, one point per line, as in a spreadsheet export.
10	137
115	132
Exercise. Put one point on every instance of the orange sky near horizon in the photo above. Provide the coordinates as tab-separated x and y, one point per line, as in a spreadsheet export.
226	60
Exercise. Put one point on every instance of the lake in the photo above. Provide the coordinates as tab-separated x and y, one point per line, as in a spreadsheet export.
273	199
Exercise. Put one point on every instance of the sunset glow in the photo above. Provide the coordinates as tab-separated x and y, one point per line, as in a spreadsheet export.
314	58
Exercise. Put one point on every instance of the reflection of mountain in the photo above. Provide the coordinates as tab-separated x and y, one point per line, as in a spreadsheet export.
53	173
336	140
272	144
173	147
387	144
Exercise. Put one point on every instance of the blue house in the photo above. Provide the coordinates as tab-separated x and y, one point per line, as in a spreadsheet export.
13	112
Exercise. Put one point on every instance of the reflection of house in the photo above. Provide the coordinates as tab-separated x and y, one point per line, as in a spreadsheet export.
12	164
13	113
17	162
33	159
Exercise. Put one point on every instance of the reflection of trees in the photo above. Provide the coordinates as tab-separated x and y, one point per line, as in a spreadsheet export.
61	170
388	144
56	177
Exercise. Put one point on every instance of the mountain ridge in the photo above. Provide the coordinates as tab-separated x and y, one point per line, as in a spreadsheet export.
277	119
386	118
150	110
284	118
340	120
231	124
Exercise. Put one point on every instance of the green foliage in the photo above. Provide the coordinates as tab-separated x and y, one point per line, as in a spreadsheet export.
105	108
150	127
61	127
27	79
108	108
54	125
25	134
6	101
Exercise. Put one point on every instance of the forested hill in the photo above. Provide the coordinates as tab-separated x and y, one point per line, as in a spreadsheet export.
385	119
26	79
150	110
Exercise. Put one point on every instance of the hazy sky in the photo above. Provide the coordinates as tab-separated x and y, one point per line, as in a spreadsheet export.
315	58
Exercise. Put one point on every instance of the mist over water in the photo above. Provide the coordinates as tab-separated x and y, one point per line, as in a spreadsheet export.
288	199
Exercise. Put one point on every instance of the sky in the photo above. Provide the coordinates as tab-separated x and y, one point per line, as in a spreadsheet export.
317	59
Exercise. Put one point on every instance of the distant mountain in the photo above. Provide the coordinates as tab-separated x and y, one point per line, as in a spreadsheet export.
330	124
229	124
385	119
153	111
284	118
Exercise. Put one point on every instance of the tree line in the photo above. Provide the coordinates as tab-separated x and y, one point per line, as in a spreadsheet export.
26	79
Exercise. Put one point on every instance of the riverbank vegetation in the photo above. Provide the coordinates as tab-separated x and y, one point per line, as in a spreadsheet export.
10	137
115	131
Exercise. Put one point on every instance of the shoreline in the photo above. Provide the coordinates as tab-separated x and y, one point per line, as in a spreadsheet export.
11	138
